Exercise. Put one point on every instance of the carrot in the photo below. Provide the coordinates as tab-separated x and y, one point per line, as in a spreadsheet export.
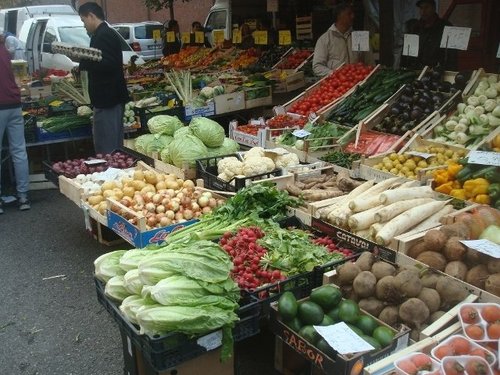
394	209
395	195
363	220
406	220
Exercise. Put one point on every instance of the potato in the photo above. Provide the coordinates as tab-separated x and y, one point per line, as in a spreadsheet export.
477	276
454	249
451	291
390	315
387	291
494	265
456	269
408	283
128	191
457	229
434	240
417	249
371	305
347	273
108	185
429	279
365	261
473	258
381	269
95	199
431	299
150	177
364	284
139	175
414	312
433	259
492	284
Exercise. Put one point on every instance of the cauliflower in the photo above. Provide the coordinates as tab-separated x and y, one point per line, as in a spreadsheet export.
230	166
224	177
84	110
257	165
254	151
287	160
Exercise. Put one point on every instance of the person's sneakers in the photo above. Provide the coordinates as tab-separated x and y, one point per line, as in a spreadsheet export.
24	204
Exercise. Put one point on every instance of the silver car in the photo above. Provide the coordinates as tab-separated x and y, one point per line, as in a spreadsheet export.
140	36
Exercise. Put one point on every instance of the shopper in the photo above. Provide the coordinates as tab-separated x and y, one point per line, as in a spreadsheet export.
107	87
430	29
14	46
12	123
169	48
197	27
247	40
334	47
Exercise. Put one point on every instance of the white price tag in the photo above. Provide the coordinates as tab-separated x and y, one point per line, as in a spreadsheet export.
410	45
86	217
484	246
301	133
420	154
211	341
360	41
484	157
455	37
94	161
279	110
343	339
255	122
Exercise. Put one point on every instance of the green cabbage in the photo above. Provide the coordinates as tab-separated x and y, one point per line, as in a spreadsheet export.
142	141
186	149
209	131
130	260
158	144
182	132
165	156
132	283
164	124
229	146
108	265
131	305
115	289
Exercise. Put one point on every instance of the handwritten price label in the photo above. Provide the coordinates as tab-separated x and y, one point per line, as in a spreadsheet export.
484	158
343	339
199	37
218	36
360	40
484	246
420	154
455	37
170	37
301	133
237	36
156	35
211	341
284	37
185	38
410	45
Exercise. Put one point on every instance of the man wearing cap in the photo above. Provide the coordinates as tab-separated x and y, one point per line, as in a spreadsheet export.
430	30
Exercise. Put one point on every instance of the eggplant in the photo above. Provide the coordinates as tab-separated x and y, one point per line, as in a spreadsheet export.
394	130
405	116
408	90
416	113
427	111
425	80
415	98
422	102
453	90
437	106
426	95
406	99
395	110
436	75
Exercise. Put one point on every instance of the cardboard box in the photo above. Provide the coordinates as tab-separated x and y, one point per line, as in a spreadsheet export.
205	111
229	102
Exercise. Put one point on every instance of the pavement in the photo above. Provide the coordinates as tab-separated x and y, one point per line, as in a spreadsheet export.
50	320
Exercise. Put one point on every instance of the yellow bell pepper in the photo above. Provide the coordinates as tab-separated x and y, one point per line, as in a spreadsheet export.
445	188
453	169
482	198
441	176
475	187
496	141
457	184
458	193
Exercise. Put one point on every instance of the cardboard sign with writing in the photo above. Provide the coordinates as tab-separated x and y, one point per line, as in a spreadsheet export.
237	36
170	37
360	41
185	38
455	37
410	45
484	158
285	37
260	37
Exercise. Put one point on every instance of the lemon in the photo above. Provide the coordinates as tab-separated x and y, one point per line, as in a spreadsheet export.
394	171
401	158
388	165
393	156
386	160
422	164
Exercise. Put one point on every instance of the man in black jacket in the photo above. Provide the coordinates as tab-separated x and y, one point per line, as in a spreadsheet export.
107	86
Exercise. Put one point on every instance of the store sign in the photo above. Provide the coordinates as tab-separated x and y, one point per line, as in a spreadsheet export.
360	41
185	38
410	45
284	37
237	37
455	37
260	37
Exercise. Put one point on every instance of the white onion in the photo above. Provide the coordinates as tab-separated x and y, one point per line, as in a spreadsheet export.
212	202
170	214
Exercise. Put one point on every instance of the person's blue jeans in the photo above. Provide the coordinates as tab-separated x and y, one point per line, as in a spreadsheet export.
12	123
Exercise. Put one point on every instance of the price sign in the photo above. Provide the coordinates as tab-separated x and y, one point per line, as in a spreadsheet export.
284	37
237	36
410	45
260	37
360	41
343	339
484	158
455	37
218	36
170	37
157	35
420	154
301	133
185	38
484	246
199	37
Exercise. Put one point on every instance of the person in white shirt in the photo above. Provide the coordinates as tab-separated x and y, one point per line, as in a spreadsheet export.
334	47
14	46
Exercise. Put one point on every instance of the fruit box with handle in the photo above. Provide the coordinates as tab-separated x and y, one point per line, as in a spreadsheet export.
307	342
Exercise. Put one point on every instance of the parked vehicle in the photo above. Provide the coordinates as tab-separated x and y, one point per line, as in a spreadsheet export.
12	19
141	39
39	33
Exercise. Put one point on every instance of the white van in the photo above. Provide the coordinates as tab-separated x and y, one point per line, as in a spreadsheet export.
38	33
12	19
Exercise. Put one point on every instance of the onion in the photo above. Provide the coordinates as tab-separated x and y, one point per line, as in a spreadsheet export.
188	184
170	214
188	214
212	202
207	194
180	195
164	221
203	201
186	201
206	210
220	202
174	205
160	209
196	194
152	221
150	207
156	198
165	201
195	206
125	202
179	216
197	214
160	215
171	192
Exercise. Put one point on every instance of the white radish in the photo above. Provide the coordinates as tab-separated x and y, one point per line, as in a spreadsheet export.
394	209
372	191
353	194
409	184
375	228
396	195
361	204
432	221
407	220
365	233
363	220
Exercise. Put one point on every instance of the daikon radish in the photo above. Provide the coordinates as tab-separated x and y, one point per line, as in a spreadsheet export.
367	199
375	228
365	233
353	194
409	184
363	220
432	221
393	210
400	194
407	220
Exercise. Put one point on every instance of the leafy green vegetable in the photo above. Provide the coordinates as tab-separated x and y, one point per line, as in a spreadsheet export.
182	132
186	150
158	143
164	124
341	158
132	304
115	289
228	147
108	265
142	142
208	131
132	282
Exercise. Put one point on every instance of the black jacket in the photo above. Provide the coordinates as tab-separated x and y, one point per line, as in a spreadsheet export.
107	86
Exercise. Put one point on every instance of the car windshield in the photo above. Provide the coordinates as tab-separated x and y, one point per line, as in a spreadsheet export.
74	35
146	31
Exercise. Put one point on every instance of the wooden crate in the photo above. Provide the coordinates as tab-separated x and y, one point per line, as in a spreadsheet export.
474	81
71	189
186	173
292	81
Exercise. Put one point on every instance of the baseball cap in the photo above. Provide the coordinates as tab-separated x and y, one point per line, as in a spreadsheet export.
431	2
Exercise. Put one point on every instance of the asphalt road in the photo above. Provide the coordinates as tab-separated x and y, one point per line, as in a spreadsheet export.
50	320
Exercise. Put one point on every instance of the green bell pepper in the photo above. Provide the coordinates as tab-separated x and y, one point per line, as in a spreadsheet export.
494	191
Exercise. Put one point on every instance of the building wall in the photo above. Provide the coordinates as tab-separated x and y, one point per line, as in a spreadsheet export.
135	11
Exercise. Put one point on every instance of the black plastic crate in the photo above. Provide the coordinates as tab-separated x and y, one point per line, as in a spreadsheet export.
30	128
169	350
206	169
144	114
